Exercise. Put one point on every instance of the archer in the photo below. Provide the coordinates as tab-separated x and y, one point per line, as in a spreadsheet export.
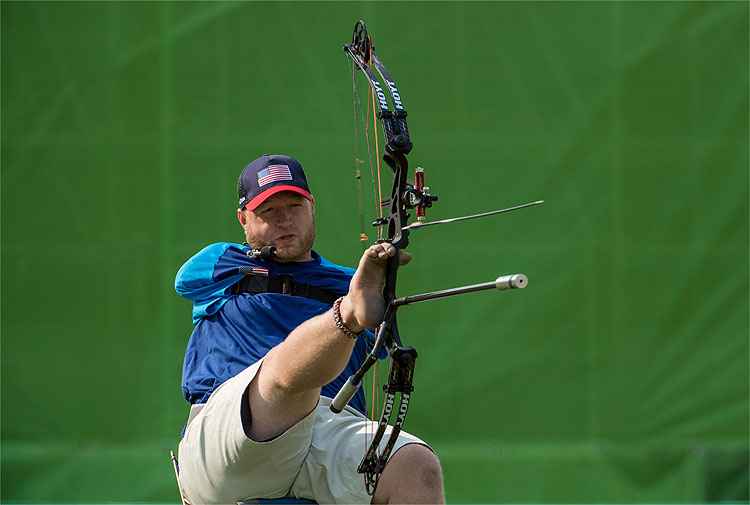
278	329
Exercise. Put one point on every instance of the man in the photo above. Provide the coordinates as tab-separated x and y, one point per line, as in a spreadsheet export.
274	340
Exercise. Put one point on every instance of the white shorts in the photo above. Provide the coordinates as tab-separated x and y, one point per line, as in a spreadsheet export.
317	458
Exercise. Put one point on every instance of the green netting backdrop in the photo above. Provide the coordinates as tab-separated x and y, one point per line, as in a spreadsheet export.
619	375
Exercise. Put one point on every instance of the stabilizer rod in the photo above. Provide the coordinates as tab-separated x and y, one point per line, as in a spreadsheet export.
352	385
512	281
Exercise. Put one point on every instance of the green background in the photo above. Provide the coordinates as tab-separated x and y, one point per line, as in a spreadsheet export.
619	375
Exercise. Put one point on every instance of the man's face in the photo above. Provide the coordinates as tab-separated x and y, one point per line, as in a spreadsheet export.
284	221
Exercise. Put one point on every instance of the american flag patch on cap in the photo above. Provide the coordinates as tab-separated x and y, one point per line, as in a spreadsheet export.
259	271
274	173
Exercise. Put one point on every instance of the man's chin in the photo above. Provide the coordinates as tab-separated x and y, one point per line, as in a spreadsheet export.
285	253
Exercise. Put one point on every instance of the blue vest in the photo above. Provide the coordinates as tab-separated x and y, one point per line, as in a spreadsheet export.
233	331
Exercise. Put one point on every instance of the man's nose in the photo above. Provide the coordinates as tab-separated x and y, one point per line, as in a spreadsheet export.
285	216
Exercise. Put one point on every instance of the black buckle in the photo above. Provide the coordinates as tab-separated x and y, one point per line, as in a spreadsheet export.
286	284
252	283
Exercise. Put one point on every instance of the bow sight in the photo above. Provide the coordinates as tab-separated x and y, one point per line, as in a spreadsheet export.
404	197
416	196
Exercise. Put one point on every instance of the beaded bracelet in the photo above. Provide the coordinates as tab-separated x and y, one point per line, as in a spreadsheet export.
340	322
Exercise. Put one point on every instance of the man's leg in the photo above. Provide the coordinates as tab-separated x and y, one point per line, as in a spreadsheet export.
216	449
329	473
412	475
288	384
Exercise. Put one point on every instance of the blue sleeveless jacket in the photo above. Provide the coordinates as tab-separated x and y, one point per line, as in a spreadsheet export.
233	331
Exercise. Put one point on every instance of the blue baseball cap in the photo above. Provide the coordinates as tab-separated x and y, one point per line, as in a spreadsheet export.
268	175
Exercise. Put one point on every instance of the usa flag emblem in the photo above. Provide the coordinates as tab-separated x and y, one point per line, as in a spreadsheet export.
274	173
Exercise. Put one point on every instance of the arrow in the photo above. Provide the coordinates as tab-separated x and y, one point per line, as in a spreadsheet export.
422	224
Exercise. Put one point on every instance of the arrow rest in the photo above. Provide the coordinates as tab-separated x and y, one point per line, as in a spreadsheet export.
416	196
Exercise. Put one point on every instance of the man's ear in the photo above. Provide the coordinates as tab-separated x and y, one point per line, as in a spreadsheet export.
241	217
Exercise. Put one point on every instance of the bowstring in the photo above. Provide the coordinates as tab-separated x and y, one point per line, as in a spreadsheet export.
371	120
358	162
376	379
372	142
363	238
376	372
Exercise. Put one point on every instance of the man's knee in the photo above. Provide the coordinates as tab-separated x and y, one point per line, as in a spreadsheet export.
427	467
412	475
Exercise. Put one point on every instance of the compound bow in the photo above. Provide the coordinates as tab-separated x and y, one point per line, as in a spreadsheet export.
404	197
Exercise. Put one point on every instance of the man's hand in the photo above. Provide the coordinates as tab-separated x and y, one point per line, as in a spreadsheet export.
363	307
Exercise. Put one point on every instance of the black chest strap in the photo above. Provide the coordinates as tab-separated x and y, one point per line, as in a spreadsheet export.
255	282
